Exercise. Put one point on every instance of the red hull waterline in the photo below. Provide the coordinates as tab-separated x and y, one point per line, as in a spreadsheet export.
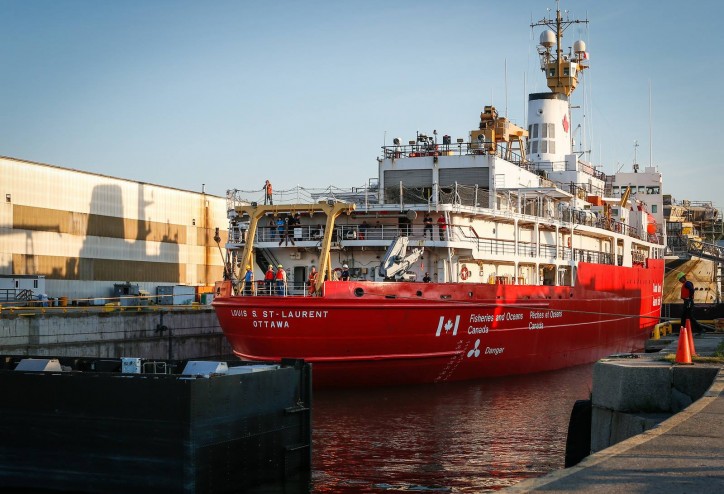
367	333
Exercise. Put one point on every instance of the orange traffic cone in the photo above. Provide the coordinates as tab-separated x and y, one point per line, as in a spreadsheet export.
692	350
683	356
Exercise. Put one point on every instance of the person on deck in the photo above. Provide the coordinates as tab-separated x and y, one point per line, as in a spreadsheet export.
427	278
272	228
280	229
442	226
267	192
363	230
345	272
286	231
687	295
248	281
312	279
428	226
269	280
281	278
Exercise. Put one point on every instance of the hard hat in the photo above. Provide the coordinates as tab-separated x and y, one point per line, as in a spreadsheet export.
680	275
248	267
271	267
345	266
279	266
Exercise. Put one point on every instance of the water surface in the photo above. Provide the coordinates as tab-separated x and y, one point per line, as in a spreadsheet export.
454	437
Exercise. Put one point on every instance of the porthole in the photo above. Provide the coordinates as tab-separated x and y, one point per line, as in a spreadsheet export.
358	292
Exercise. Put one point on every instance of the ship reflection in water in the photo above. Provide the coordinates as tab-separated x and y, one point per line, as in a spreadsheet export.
455	437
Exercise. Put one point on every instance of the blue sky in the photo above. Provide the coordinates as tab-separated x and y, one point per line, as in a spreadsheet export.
230	93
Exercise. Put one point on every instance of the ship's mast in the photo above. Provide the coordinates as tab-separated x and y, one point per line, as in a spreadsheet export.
561	70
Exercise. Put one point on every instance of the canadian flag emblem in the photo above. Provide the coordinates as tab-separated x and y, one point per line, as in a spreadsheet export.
447	325
565	124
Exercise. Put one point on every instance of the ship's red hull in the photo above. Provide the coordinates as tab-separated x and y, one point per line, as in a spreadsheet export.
365	333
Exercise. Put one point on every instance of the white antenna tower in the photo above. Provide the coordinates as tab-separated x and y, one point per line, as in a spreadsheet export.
651	138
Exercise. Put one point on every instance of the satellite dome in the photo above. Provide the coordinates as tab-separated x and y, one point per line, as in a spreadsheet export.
547	38
579	46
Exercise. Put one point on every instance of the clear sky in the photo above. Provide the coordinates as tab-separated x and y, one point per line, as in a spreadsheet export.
230	93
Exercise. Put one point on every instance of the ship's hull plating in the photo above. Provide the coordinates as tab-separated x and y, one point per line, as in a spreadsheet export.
364	333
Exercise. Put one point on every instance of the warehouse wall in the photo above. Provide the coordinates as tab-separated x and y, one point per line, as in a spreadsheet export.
86	231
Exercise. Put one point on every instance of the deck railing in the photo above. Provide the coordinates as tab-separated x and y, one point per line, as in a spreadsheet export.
457	195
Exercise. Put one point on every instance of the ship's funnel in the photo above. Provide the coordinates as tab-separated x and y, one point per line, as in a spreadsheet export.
549	129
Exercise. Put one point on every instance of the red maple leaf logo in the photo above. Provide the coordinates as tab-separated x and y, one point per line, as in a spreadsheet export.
565	124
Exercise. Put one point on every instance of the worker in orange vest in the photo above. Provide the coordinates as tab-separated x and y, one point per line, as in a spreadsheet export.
269	280
267	193
312	279
281	278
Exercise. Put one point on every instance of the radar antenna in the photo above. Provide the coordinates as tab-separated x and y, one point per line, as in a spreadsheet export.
561	70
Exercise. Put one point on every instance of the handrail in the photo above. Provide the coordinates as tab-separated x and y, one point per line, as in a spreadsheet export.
705	250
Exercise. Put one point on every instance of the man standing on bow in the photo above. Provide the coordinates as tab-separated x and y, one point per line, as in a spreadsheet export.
267	192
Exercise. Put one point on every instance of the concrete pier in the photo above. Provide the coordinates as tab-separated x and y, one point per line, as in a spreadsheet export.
683	453
151	332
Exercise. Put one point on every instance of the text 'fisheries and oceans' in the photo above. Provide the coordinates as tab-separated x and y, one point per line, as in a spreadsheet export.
277	318
537	319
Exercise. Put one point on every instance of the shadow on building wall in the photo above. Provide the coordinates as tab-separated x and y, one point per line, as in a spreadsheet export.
115	248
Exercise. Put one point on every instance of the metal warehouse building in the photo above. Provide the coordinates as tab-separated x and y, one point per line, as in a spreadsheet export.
86	232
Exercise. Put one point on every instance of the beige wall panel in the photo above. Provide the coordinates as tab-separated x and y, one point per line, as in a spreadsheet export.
191	273
53	220
6	262
215	273
6	212
47	243
55	267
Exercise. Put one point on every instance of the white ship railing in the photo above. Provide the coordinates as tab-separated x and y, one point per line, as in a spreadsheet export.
457	195
263	289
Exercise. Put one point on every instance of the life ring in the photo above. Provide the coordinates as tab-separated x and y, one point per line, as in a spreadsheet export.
464	273
569	242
